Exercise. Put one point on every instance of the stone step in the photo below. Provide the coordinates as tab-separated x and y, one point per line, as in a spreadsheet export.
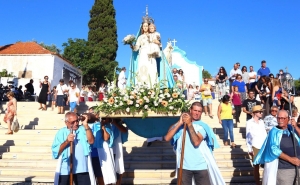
247	180
9	141
131	137
129	164
129	173
128	156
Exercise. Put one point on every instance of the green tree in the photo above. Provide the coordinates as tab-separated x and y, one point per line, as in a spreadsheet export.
206	74
4	73
102	38
79	53
52	47
297	84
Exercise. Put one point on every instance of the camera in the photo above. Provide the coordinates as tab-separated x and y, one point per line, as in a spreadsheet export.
91	117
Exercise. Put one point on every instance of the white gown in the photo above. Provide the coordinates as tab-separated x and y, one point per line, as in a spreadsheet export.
146	67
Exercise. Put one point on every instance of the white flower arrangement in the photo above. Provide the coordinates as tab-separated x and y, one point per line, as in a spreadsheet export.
129	40
143	99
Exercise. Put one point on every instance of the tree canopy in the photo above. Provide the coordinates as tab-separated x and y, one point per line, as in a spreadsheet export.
102	39
206	74
51	47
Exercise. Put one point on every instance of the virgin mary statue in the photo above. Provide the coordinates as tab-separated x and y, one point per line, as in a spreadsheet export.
147	69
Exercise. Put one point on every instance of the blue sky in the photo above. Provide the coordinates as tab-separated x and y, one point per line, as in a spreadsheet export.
213	33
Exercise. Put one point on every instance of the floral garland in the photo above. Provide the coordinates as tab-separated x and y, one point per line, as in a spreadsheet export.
142	99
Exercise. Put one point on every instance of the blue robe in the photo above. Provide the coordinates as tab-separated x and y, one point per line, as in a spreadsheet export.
96	128
62	135
270	150
211	139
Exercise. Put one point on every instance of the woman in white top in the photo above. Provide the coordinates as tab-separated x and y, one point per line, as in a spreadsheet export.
101	91
180	75
191	92
61	89
91	94
255	136
82	94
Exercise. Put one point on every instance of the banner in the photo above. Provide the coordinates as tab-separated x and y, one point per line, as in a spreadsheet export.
72	74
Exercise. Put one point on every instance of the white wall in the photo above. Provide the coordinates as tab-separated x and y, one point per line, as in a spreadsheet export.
40	65
59	64
191	71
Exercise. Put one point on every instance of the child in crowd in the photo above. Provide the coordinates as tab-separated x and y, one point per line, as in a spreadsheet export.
53	97
154	38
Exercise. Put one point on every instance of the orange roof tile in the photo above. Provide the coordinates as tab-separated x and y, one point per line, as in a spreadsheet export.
23	48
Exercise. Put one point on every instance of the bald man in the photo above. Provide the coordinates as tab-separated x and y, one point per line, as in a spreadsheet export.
277	152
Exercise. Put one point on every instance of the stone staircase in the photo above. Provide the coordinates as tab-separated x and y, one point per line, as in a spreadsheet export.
26	155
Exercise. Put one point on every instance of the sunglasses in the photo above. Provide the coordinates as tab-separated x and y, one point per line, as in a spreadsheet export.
284	118
274	110
73	122
205	81
259	112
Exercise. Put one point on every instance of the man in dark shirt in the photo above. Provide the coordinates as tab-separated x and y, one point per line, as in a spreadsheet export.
278	152
249	103
29	87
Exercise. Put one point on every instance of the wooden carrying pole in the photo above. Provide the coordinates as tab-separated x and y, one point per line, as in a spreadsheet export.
71	159
179	178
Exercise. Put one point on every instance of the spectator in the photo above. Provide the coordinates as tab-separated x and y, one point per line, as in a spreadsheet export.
20	91
221	81
197	93
180	75
252	78
271	120
29	87
255	137
225	119
206	90
90	94
295	113
245	76
53	97
101	91
73	97
249	103
61	90
276	93
11	111
259	87
191	92
265	95
279	75
175	72
177	82
271	76
237	102
285	101
45	85
83	94
264	70
233	74
241	86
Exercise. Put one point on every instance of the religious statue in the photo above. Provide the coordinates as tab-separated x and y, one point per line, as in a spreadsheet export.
168	52
148	65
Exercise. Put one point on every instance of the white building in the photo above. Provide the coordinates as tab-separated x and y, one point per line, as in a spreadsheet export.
29	60
178	59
